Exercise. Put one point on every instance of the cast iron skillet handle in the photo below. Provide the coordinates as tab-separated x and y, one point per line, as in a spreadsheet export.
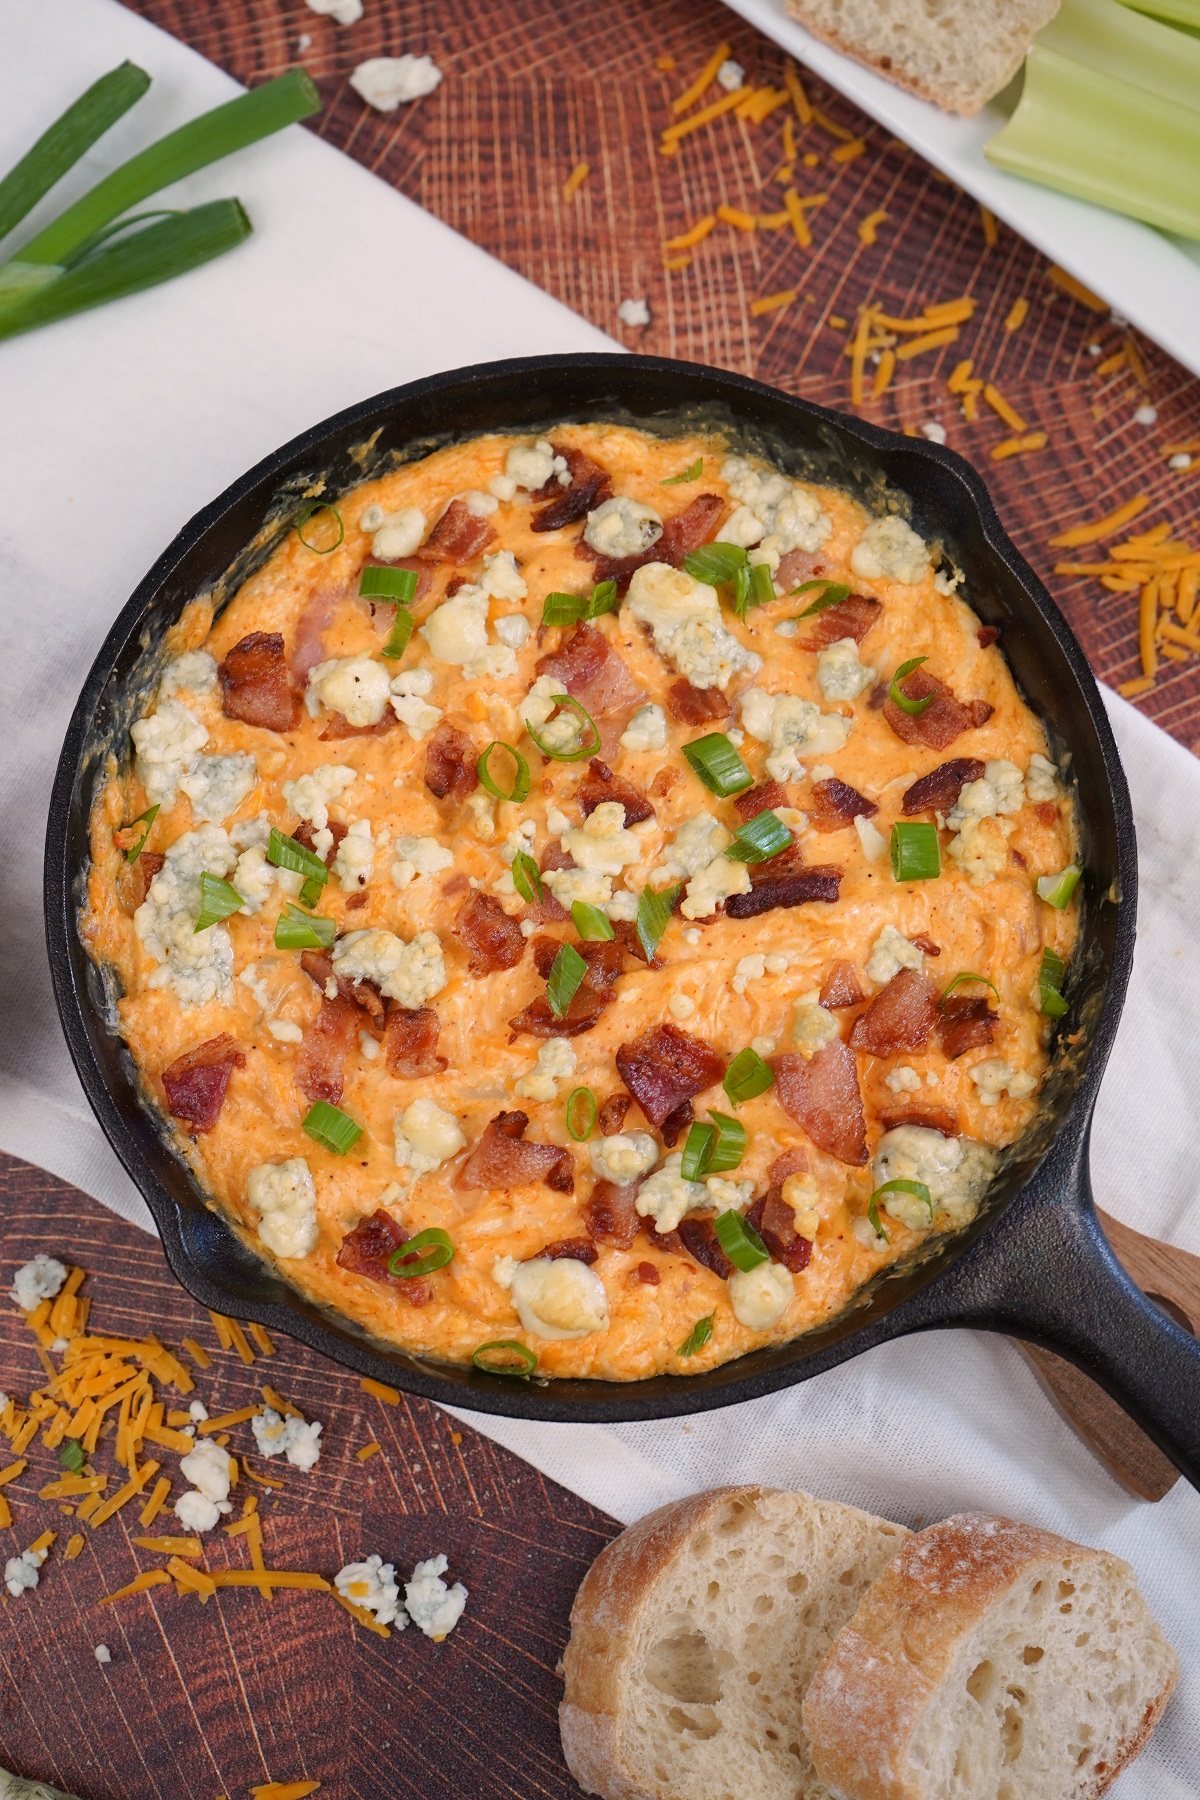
1045	1272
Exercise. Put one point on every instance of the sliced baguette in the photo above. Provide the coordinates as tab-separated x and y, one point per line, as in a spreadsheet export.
957	53
990	1658
693	1638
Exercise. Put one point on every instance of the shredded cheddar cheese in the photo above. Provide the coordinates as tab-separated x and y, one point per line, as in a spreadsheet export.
868	228
991	232
674	134
929	340
733	215
197	1352
172	1546
795	88
226	1421
284	1790
380	1391
367	1450
770	303
575	180
883	373
362	1617
1017	446
148	1579
847	152
1002	409
1017	314
703	81
74	1547
1069	285
154	1505
191	1580
694	234
1101	528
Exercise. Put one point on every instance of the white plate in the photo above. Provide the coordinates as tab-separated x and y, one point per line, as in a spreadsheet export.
1143	275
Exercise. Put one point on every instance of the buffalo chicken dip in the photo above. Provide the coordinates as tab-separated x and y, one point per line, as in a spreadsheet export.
589	904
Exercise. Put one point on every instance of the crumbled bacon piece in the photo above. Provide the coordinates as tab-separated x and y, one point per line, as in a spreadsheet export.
591	672
682	534
699	1239
784	887
256	683
835	805
676	1123
493	940
612	1114
578	1249
666	779
320	1066
930	1118
134	878
769	796
944	719
318	966
458	536
665	1068
823	1096
921	940
306	834
798	566
987	635
337	725
939	790
1047	812
605	959
410	1041
501	1159
647	1272
775	1222
590	485
965	1023
840	987
195	1082
793	1161
591	997
900	1017
695	706
369	1248
600	784
610	1214
851	618
450	758
355	902
308	647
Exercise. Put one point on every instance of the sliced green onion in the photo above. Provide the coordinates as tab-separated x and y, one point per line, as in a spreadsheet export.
566	973
147	819
1056	890
697	1152
740	591
715	563
33	295
835	592
287	853
520	787
916	855
388	584
313	511
747	1076
693	472
760	838
730	1146
967	975
565	609
310	892
654	915
331	1127
912	707
60	147
70	1455
581	1113
593	926
715	760
1051	975
916	1188
422	1254
193	146
527	878
873	1219
740	1242
398	637
603	600
586	747
296	929
505	1356
217	901
762	585
697	1337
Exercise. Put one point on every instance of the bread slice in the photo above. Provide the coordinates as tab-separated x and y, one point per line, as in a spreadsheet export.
693	1638
957	53
990	1658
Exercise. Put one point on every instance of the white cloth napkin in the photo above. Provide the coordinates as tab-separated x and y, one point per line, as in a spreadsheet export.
117	426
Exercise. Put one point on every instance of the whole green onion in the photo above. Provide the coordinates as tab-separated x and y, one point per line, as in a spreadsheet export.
740	1242
505	1356
747	1076
716	761
1056	890
697	1337
759	839
331	1127
421	1255
566	973
916	855
60	147
593	926
581	1101
520	787
217	901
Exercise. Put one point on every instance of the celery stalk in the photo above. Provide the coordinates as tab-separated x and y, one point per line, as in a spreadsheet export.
202	141
157	253
59	148
1176	12
1119	42
1089	134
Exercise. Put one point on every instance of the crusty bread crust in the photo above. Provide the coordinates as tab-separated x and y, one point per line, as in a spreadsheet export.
886	1665
607	1615
964	99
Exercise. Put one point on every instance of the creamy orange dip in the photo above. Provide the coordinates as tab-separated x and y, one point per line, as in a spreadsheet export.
638	1265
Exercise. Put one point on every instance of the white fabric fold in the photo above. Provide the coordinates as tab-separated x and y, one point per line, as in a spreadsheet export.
117	426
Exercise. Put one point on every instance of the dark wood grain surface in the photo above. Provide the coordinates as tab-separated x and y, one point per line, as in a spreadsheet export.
531	89
200	1702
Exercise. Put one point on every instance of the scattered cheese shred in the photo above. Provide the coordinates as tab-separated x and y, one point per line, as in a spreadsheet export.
172	1546
868	228
371	1449
197	1352
789	139
1018	312
1148	630
280	1405
703	81
362	1616
193	1580
239	1342
1102	528
147	1579
733	215
67	1486
132	1487
267	1481
674	134
883	373
281	1578
832	127
284	1790
694	234
929	340
991	231
1069	285
800	100
847	152
1112	363
770	303
154	1505
207	1427
575	180
858	356
18	1468
259	1334
389	1395
1140	685
1002	409
674	263
794	206
74	1547
1017	446
221	1325
5	1514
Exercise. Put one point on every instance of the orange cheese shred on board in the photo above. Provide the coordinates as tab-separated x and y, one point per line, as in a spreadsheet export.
1101	528
367	1450
575	180
1017	446
148	1579
703	81
362	1616
154	1505
799	98
1003	410
673	135
74	1547
868	228
694	234
770	303
1077	291
18	1468
380	1391
284	1790
194	1580
197	1352
172	1546
207	1427
1018	312
267	1481
929	340
280	1405
259	1334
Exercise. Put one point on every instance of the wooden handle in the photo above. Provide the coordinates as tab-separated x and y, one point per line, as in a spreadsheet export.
1169	1277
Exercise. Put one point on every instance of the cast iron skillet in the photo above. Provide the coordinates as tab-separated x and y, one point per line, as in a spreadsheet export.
1034	1263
